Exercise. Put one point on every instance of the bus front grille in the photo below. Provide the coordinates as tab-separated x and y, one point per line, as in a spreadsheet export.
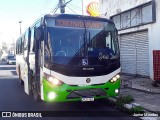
97	92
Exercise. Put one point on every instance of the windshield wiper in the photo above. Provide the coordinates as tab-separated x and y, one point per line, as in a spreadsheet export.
90	44
85	39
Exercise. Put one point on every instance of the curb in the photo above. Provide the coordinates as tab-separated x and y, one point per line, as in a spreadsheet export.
147	115
143	90
140	88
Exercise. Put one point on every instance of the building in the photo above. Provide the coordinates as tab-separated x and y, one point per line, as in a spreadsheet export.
138	24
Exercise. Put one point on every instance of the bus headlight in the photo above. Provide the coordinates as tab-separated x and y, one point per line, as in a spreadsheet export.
55	81
114	79
117	76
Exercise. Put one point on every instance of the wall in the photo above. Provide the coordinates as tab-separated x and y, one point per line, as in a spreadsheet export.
114	6
111	6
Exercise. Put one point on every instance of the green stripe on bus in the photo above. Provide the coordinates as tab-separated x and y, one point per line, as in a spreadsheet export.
64	90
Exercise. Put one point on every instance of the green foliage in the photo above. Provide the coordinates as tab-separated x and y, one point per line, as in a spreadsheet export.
123	100
137	110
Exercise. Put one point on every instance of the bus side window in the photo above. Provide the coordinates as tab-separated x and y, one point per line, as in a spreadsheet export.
32	41
25	44
18	46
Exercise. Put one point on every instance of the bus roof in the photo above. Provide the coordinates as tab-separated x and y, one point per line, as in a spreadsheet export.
73	16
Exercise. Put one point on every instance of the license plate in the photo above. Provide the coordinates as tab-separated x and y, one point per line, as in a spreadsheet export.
85	99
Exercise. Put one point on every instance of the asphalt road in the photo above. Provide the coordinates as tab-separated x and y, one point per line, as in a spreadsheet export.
13	98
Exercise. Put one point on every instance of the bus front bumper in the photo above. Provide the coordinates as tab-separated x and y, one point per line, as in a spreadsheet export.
66	92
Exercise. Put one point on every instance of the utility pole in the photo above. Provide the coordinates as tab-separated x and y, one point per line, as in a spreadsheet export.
62	6
20	26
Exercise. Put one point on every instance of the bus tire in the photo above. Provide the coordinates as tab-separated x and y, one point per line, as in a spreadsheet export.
31	77
20	80
36	97
36	94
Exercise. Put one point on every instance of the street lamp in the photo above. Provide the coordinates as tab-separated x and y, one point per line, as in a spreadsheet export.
20	26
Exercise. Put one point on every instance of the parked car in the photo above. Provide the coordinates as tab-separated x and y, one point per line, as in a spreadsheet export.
4	57
12	61
9	57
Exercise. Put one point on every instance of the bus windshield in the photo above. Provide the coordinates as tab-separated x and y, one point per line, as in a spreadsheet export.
69	46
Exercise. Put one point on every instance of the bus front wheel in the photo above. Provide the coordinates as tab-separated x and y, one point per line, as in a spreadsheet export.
35	90
37	96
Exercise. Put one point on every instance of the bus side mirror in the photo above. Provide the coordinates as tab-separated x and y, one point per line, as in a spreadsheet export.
39	34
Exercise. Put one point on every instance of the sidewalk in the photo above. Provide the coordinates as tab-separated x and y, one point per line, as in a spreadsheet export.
143	92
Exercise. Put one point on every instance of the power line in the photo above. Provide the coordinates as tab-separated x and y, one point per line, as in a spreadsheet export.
68	11
62	6
47	6
68	2
75	6
55	9
71	9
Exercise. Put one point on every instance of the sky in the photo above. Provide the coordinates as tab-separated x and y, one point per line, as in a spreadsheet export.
27	11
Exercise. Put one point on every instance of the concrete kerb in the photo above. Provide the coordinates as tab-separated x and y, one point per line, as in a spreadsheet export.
139	83
143	90
147	113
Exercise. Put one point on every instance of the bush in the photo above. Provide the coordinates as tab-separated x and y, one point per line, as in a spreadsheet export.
123	100
137	110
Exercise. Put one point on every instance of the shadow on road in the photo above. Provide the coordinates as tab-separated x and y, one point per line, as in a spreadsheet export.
7	68
13	72
76	106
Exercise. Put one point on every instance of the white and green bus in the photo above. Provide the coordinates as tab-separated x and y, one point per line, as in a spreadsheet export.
64	57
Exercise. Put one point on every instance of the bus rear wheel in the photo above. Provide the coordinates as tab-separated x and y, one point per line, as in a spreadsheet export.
20	80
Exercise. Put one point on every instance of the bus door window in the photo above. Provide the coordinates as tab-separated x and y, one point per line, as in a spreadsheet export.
19	48
25	39
32	41
23	51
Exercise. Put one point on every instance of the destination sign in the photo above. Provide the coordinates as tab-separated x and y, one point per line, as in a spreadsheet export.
79	23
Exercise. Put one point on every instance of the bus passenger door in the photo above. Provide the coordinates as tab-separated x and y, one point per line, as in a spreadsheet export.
26	59
25	76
